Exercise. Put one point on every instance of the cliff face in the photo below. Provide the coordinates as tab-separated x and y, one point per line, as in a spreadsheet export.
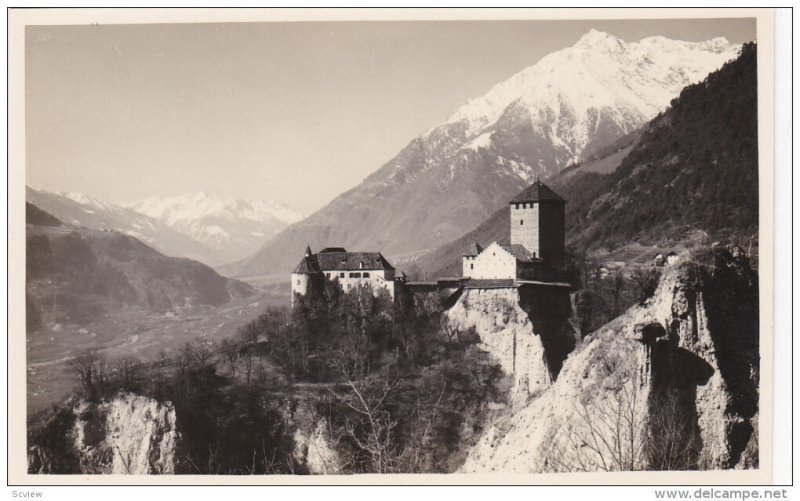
128	434
529	344
678	373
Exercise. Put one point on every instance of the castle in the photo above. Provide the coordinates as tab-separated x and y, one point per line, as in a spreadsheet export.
537	240
350	269
533	257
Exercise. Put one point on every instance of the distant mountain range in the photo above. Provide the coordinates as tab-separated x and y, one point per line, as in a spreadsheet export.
565	109
693	168
232	227
75	275
213	229
77	209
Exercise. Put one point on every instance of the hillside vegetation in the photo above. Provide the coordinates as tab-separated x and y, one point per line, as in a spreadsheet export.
694	167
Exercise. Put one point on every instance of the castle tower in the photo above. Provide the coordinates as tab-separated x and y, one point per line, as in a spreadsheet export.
537	222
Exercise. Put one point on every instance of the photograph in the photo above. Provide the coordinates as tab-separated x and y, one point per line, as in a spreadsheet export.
265	244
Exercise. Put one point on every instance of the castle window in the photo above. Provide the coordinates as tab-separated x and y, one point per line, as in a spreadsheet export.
348	286
366	274
521	222
341	275
298	281
472	267
355	275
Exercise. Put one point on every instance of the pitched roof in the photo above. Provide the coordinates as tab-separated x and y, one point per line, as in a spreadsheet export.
308	265
473	250
352	261
518	251
537	192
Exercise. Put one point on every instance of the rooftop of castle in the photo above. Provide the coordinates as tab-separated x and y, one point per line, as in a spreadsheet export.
337	258
537	192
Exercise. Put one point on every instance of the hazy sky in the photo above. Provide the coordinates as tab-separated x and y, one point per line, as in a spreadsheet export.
297	112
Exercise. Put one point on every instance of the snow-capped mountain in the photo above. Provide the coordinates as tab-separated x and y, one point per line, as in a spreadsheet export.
573	101
233	227
559	111
78	209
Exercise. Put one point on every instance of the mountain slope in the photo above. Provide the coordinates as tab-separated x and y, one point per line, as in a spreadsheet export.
694	167
81	273
232	227
569	105
80	210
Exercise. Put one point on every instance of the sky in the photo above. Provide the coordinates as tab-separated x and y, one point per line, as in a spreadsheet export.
293	112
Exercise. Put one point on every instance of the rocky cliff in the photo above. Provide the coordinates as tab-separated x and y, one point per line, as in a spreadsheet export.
127	434
670	384
528	343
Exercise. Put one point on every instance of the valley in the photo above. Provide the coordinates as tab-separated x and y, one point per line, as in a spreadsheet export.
132	333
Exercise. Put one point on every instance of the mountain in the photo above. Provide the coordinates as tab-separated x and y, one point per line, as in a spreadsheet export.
558	112
232	227
81	273
78	209
692	168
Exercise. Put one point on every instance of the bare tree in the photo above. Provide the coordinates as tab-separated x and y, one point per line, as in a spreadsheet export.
608	435
672	439
373	429
230	351
128	370
202	353
89	369
617	286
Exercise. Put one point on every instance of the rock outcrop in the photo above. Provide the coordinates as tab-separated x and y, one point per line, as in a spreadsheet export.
528	343
683	368
127	434
313	450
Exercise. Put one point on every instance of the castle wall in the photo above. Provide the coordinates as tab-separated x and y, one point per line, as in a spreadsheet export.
525	222
551	232
299	284
493	262
377	279
467	266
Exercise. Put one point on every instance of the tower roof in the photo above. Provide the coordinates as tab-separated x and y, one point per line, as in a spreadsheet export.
308	265
473	250
537	192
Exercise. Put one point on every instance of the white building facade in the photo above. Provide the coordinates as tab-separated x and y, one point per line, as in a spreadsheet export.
349	269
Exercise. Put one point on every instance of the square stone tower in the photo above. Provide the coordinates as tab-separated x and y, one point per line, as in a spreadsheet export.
537	223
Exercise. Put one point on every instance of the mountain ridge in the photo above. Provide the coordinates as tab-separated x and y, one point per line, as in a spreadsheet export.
85	272
232	226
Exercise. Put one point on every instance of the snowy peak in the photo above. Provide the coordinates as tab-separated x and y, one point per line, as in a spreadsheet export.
599	71
595	39
196	206
233	226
